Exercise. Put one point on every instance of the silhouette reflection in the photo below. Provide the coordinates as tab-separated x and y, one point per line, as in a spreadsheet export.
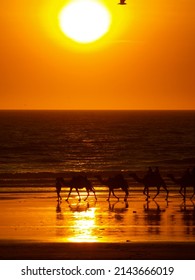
78	207
188	217
119	209
153	217
59	220
120	221
152	214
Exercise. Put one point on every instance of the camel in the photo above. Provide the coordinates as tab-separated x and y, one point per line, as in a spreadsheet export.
151	179
116	182
187	180
79	182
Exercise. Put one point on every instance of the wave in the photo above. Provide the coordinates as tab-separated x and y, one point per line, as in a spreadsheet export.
43	144
188	161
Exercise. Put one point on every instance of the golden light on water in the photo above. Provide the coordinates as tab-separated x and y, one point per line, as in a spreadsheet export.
84	224
84	21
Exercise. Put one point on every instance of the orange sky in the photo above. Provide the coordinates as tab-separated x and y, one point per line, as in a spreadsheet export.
146	61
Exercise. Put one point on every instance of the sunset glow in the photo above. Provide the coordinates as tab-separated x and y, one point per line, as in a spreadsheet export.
84	21
142	60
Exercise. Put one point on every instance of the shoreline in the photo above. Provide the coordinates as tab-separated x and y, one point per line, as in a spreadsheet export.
33	228
19	250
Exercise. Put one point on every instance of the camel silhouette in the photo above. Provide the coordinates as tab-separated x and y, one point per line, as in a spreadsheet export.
185	181
151	179
79	182
116	182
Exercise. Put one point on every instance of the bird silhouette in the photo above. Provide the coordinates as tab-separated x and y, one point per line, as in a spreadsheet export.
122	2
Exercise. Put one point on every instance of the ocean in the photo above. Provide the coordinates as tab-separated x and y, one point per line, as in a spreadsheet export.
40	144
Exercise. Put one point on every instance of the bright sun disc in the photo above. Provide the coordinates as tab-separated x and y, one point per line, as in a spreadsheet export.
84	21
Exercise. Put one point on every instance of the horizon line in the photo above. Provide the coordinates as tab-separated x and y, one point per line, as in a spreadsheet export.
90	110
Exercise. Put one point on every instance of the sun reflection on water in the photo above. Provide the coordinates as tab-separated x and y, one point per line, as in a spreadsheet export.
84	225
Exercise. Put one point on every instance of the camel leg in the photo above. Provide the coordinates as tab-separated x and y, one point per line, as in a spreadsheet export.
108	199
114	194
158	191
146	192
165	188
94	194
126	195
78	194
180	191
183	193
69	194
87	195
193	194
59	196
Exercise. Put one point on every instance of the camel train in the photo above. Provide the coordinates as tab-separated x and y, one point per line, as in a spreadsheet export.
118	182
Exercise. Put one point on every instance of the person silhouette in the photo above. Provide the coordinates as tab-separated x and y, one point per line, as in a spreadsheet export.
59	183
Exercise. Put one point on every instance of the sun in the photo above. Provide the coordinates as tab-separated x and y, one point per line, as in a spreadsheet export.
84	21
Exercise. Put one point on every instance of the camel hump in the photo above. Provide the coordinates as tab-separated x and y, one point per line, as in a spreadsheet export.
59	180
79	177
119	177
153	176
82	180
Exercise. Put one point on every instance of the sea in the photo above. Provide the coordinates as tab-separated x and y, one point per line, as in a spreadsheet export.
36	146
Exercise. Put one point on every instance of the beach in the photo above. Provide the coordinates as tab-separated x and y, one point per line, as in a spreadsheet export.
10	250
36	226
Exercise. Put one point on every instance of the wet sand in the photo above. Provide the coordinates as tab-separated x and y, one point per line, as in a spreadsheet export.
35	226
10	250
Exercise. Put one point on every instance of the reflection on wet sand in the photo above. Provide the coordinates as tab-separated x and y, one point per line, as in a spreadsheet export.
188	217
119	209
40	218
83	222
126	221
153	217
